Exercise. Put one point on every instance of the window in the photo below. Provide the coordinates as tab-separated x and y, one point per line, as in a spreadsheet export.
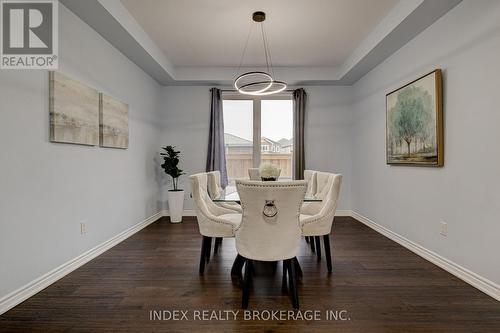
277	127
238	139
257	131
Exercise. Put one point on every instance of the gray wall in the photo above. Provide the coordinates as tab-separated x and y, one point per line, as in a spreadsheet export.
47	189
328	133
186	117
411	201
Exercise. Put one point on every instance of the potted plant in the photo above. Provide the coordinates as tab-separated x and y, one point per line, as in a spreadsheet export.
175	195
269	172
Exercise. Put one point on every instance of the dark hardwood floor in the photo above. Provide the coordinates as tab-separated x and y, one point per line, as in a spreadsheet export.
382	286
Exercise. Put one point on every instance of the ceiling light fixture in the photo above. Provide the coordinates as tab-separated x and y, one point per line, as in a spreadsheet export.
259	83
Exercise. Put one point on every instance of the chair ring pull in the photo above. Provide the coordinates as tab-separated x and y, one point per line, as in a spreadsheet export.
270	209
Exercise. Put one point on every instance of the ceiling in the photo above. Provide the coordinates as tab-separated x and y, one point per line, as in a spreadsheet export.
313	42
301	33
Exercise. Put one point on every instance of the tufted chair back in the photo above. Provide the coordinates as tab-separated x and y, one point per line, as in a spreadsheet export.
270	228
254	174
213	184
310	177
321	222
213	221
215	191
323	184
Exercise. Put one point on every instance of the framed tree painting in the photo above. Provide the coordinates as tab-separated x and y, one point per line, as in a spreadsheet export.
414	122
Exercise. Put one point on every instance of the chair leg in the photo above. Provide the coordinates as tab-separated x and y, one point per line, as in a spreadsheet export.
284	284
246	284
318	247
274	267
203	255
238	264
328	255
293	284
209	249
218	243
297	267
311	238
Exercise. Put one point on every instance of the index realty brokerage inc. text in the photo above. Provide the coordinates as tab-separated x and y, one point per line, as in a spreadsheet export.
224	315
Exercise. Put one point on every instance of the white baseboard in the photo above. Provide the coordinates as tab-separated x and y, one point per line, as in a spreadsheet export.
488	287
344	212
14	298
187	212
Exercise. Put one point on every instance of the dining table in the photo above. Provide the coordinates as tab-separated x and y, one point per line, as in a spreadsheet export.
239	261
233	197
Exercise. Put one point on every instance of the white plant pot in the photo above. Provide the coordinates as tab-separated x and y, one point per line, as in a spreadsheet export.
175	205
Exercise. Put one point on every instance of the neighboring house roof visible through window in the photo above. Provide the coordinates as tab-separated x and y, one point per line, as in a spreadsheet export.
236	141
285	142
232	140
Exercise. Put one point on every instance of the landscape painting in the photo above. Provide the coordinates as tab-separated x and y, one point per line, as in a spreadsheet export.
414	122
113	122
74	111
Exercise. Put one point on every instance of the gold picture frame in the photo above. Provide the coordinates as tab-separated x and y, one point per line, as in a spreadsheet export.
414	122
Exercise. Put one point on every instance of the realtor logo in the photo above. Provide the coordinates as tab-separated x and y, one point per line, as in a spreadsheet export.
28	34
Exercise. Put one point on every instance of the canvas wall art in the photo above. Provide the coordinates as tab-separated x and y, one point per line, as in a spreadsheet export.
113	122
74	111
414	122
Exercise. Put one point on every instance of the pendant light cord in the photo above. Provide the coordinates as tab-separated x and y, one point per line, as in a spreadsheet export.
266	42
256	87
267	50
244	50
265	45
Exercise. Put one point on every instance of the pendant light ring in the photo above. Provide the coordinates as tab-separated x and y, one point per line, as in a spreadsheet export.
280	86
240	88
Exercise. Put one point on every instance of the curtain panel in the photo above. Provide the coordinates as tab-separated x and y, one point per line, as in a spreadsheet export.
299	108
216	156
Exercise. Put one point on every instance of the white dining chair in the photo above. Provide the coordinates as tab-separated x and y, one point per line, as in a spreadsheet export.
254	174
310	177
215	190
319	222
213	221
270	229
320	188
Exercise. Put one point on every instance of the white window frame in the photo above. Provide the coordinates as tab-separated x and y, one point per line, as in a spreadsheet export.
233	95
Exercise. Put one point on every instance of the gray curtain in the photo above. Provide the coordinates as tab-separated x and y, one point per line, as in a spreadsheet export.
299	107
216	157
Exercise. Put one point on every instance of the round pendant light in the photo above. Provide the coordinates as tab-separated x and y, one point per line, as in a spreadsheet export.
259	83
253	83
